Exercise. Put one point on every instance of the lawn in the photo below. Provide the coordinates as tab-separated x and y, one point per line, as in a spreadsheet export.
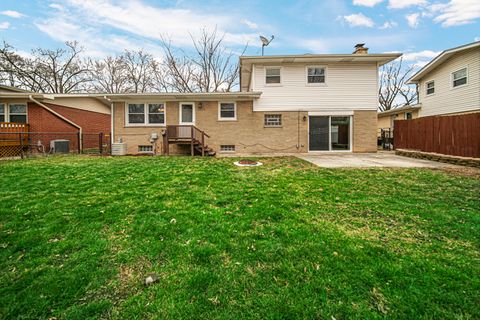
79	235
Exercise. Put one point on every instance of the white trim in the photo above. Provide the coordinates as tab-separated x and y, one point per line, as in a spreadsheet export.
7	113
426	88
180	121
220	118
330	113
316	84
265	76
452	87
350	134
145	112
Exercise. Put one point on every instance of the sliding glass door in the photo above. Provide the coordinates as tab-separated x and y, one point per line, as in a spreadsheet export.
329	133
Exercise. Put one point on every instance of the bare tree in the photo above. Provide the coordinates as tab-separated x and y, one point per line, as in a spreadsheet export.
56	71
140	68
109	75
393	90
211	68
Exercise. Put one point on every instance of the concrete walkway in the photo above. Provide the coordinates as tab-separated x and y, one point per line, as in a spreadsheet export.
366	160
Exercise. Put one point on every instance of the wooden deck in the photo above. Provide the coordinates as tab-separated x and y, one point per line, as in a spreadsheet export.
13	134
187	135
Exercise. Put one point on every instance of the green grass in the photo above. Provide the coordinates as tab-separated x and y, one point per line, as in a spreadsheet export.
78	236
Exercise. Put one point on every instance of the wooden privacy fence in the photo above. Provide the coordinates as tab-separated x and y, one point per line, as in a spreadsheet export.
457	135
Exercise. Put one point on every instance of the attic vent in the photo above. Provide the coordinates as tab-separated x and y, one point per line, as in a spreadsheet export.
360	49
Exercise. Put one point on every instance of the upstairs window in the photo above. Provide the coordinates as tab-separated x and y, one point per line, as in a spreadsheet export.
2	113
227	111
459	78
272	75
146	114
18	113
408	115
315	75
273	120
430	87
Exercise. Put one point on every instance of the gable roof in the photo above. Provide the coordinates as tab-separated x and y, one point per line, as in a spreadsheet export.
246	62
404	108
442	57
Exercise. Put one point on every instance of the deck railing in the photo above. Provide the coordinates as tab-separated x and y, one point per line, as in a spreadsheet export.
13	134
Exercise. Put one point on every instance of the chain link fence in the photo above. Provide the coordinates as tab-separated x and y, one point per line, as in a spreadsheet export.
30	144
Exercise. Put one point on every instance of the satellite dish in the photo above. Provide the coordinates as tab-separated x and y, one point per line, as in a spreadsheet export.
265	42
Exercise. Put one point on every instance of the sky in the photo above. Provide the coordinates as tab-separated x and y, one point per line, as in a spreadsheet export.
418	28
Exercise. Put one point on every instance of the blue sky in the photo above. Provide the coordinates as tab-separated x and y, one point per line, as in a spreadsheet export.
418	28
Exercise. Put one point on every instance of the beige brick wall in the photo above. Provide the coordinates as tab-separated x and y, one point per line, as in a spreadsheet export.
247	133
365	131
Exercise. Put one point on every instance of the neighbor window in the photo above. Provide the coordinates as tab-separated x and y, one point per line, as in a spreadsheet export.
430	87
18	113
272	75
459	77
2	113
227	111
146	113
315	75
145	149
408	115
273	120
227	148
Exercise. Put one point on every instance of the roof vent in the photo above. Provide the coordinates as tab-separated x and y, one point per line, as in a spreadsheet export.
360	49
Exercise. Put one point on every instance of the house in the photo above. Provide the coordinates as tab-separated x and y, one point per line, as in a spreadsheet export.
450	83
53	116
386	118
286	104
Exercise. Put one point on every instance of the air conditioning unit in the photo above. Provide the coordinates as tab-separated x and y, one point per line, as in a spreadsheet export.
119	149
60	146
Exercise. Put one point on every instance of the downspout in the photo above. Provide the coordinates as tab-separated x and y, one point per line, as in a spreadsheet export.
112	122
61	117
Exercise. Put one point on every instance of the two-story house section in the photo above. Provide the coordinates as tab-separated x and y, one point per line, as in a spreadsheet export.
450	83
335	94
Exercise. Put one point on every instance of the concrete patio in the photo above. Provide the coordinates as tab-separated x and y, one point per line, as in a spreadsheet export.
367	160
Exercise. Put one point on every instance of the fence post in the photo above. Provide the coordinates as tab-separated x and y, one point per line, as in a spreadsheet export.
79	139
21	145
100	143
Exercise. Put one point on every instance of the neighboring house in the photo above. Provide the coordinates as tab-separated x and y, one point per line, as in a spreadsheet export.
450	83
54	116
386	118
286	104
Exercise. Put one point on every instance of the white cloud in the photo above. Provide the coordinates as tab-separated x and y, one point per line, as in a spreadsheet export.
413	19
402	4
366	3
420	55
12	14
358	20
4	25
477	39
56	6
388	25
313	45
456	12
250	24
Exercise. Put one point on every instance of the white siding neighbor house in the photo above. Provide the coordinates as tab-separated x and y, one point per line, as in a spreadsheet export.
450	83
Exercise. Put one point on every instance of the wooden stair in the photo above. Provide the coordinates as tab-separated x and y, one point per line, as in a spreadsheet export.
187	135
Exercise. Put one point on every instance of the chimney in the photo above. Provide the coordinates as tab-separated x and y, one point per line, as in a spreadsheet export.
360	49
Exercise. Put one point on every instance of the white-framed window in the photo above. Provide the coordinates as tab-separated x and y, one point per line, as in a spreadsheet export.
316	75
2	112
430	87
145	114
408	115
272	120
187	113
227	148
273	75
13	112
459	78
227	111
145	149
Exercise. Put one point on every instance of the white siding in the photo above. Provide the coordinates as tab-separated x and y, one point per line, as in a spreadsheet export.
349	86
82	103
447	99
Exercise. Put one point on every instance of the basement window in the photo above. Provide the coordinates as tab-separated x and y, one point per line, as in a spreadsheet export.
145	149
227	148
273	120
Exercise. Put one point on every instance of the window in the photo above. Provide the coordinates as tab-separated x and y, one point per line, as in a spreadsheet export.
187	113
18	113
408	115
2	113
459	77
227	111
315	75
227	148
146	114
273	120
430	87
145	149
272	75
